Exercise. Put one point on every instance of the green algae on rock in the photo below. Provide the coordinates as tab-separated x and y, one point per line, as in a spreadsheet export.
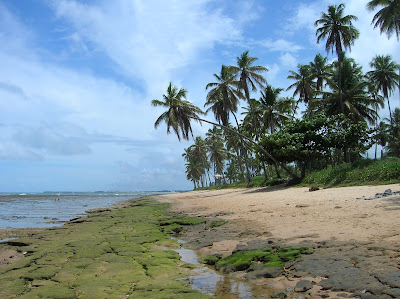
112	253
268	257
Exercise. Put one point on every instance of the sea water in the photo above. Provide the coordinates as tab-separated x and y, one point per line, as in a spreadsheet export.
47	209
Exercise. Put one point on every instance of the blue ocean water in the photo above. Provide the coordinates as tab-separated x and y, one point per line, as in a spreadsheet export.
38	210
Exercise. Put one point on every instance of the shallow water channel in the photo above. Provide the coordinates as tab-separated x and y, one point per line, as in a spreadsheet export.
209	282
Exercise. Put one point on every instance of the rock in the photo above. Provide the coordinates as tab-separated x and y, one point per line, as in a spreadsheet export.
323	267
388	192
391	279
279	294
260	271
353	280
303	286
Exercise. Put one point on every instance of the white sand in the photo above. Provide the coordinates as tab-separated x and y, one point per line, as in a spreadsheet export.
297	214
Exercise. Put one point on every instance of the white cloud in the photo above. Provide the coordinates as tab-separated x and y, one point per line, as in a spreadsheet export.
288	60
281	45
149	39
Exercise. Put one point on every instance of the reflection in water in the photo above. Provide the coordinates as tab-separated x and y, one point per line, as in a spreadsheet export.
211	283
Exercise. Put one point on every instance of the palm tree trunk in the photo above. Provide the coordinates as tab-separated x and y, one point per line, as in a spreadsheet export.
395	150
244	153
291	174
278	175
265	172
240	165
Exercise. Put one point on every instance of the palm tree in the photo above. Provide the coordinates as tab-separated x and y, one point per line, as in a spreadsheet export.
393	144
253	121
216	149
388	17
275	110
179	112
304	86
339	32
379	102
357	103
249	75
224	95
386	79
320	70
385	76
199	154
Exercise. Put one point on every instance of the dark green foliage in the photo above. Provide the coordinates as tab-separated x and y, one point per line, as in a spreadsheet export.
316	138
360	173
270	257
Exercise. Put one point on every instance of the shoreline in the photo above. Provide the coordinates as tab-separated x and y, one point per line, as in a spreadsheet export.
333	254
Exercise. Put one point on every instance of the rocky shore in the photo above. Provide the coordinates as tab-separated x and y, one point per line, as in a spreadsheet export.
346	258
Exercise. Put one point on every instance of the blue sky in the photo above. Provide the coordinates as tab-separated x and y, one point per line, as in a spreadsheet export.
77	78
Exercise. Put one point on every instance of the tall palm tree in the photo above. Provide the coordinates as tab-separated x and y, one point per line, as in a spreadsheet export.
320	70
339	32
224	95
249	75
388	17
216	149
386	79
179	113
304	86
379	102
385	76
199	154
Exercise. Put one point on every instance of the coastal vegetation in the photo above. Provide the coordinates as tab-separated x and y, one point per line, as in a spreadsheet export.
328	125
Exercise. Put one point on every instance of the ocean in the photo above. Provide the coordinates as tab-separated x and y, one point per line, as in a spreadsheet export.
48	209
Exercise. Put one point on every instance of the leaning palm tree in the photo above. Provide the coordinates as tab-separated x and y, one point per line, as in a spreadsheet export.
179	113
249	75
388	17
224	95
339	32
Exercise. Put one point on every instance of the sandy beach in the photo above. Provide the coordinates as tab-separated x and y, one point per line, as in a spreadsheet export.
355	237
296	213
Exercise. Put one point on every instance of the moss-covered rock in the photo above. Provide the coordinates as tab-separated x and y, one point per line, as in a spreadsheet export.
269	257
112	253
210	259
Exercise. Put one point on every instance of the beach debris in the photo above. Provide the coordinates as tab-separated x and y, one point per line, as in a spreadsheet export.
313	188
302	206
